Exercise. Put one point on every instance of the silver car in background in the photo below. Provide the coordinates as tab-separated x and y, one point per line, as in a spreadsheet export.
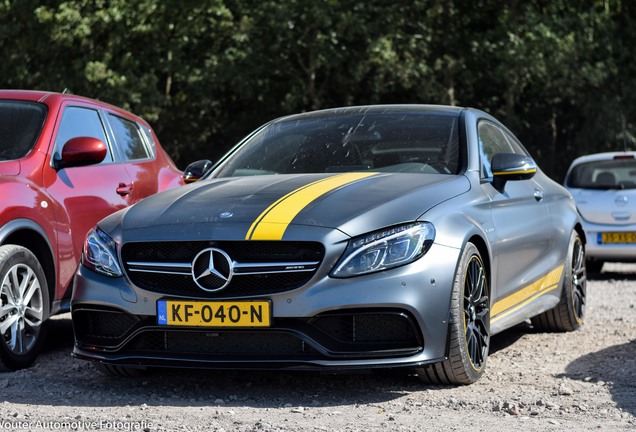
604	188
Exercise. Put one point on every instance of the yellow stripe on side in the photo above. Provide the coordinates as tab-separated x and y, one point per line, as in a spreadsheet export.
524	296
515	172
272	223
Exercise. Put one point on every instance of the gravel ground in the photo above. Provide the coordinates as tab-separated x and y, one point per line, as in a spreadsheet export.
578	381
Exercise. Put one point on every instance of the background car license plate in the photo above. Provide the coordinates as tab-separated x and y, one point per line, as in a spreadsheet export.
617	237
214	313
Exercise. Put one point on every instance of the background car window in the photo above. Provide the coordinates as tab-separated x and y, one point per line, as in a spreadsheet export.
81	122
606	174
493	139
20	124
129	138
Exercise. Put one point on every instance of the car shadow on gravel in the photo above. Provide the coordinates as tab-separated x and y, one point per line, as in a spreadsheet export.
57	379
614	367
611	271
508	337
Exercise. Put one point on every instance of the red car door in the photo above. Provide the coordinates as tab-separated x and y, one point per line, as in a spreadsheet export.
86	194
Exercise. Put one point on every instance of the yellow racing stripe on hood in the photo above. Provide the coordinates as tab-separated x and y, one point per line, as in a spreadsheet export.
272	223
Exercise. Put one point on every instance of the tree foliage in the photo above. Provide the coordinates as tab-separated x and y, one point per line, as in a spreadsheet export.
206	72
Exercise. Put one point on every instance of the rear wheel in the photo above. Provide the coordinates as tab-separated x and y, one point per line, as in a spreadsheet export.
568	315
24	307
469	327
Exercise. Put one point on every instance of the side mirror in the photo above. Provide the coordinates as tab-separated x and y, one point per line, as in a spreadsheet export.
196	170
511	166
81	151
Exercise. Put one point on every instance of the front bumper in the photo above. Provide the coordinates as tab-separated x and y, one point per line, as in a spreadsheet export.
395	318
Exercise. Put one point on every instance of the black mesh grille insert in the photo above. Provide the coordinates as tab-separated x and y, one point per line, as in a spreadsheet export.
239	251
103	327
380	328
230	344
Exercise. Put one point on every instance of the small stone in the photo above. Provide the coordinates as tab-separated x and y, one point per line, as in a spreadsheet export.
514	410
565	390
298	410
552	406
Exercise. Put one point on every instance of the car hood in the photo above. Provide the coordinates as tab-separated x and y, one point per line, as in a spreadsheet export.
271	207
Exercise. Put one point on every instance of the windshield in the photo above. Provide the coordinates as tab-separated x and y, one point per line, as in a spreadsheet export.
331	142
20	124
617	173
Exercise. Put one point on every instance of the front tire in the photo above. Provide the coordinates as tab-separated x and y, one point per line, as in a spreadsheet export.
469	327
569	313
24	307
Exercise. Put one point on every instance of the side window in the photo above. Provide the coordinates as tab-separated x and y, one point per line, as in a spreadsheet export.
129	138
149	140
494	140
79	122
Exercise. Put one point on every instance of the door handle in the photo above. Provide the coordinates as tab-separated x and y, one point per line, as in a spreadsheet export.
538	194
124	189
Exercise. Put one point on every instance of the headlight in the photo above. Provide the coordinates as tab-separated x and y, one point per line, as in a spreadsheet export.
100	253
385	249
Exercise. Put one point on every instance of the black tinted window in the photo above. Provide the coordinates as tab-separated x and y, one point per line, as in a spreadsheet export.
129	138
606	174
414	142
20	125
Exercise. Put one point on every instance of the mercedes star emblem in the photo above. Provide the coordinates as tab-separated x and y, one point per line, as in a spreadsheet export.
212	269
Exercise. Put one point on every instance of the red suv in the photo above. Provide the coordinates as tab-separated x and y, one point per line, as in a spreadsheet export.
65	163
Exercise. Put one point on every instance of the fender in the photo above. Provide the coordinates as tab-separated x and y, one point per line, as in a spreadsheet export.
16	225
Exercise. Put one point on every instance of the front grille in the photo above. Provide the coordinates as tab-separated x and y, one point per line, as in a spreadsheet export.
260	267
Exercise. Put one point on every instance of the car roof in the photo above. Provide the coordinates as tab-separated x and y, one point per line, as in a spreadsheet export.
56	97
373	109
603	156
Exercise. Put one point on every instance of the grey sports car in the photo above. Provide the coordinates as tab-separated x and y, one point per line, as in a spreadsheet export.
351	238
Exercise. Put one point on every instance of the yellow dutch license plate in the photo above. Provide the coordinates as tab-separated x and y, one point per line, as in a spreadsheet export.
618	237
214	313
